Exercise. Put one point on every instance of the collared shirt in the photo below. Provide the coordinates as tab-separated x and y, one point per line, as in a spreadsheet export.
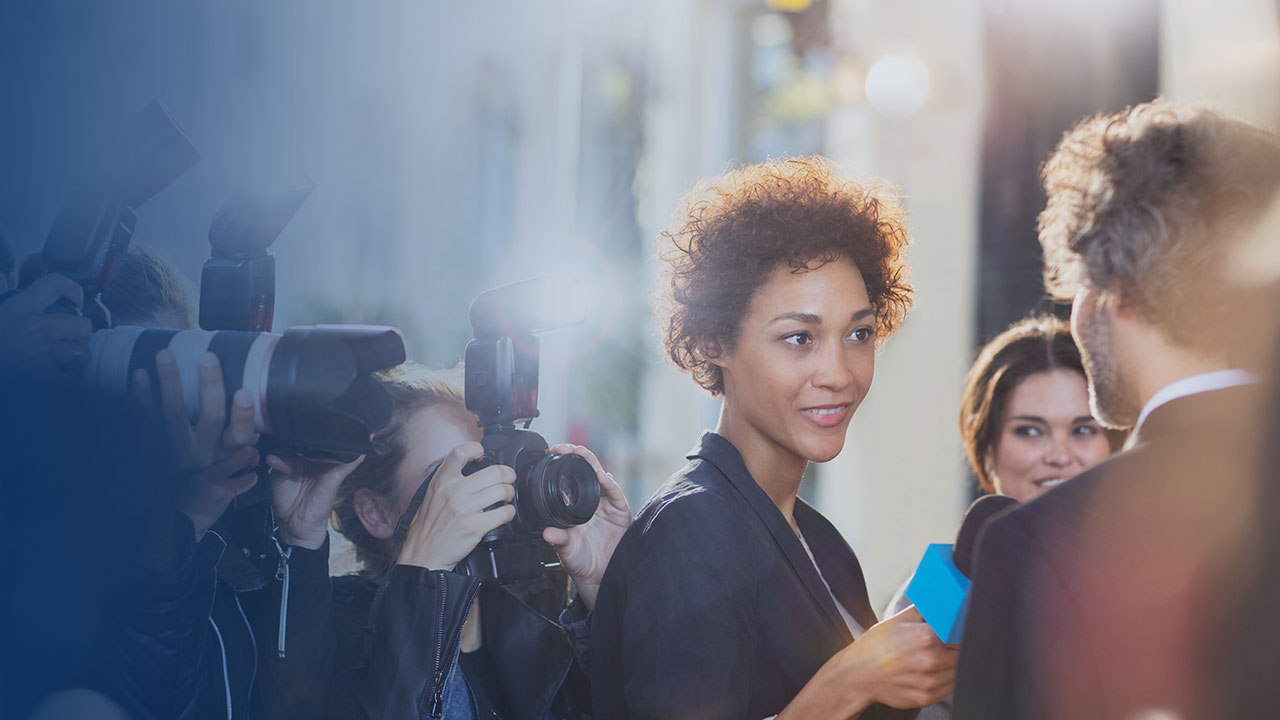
1204	382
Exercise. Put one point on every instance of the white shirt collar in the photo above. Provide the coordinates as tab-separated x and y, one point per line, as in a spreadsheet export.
1204	382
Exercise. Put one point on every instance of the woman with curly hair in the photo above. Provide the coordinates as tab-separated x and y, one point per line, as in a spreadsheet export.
730	597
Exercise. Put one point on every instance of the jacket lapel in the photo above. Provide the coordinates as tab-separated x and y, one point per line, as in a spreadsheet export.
838	563
721	454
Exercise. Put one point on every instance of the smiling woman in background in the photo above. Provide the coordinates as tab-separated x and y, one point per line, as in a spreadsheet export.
1025	416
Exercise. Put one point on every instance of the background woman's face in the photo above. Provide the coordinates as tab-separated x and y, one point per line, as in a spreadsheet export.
1046	435
803	361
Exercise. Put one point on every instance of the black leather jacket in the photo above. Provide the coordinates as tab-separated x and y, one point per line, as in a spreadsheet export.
225	633
406	666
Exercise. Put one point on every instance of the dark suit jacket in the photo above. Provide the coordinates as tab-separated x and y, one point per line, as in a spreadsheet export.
1094	600
710	607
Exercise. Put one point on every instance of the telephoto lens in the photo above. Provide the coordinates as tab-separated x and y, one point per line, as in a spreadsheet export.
312	387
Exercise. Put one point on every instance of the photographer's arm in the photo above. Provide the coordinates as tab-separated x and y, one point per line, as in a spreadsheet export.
216	454
425	604
585	549
164	626
295	627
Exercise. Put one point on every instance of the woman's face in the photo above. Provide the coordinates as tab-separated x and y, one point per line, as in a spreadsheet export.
803	361
428	436
1046	435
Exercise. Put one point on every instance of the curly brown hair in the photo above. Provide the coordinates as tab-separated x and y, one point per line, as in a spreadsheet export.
731	232
1146	204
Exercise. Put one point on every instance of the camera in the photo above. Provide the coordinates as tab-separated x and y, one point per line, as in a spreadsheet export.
312	387
95	224
238	283
501	388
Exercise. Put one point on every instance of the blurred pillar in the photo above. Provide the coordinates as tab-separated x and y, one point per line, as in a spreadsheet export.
1226	57
900	482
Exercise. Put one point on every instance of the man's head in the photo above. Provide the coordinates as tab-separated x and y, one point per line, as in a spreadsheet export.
1144	207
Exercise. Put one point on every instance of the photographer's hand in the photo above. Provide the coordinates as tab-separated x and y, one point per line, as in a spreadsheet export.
453	518
585	549
302	496
213	457
39	345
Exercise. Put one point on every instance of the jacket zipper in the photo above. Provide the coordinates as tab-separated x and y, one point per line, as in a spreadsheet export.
282	575
435	708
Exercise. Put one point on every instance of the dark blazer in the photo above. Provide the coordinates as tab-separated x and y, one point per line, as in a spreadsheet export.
710	607
1095	600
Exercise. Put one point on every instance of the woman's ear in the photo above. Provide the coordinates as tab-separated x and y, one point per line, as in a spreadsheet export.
711	351
373	514
988	470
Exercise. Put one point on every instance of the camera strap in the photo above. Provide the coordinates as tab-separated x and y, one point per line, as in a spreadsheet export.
401	534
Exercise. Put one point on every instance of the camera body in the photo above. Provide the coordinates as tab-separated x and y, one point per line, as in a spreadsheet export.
501	388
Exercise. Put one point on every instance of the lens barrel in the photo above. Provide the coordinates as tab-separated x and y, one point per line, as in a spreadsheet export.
559	491
311	387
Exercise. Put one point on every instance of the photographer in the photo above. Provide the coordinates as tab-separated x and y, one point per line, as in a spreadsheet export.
225	617
441	643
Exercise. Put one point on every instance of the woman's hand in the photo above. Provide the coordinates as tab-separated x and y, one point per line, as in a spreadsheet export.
213	454
302	496
585	549
898	662
453	518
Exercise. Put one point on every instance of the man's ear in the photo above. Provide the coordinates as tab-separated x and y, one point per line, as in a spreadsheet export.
1116	304
373	514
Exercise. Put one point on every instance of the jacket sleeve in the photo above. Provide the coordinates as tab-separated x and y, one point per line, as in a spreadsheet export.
296	634
687	616
415	645
576	621
156	668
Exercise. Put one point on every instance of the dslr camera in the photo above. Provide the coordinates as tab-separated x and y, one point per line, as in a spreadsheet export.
501	387
312	387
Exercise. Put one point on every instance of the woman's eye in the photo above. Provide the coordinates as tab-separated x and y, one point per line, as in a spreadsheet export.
1027	431
797	338
862	334
1086	430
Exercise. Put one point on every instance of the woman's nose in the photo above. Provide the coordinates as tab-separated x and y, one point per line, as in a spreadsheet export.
1058	454
833	371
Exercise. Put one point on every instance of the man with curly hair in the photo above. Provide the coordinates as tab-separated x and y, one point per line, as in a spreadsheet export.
1095	599
730	597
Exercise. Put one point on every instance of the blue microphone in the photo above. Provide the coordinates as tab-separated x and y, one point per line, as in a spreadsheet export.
940	587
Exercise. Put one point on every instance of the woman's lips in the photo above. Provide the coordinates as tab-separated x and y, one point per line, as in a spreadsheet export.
826	415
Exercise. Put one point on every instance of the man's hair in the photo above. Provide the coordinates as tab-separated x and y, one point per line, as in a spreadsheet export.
413	387
733	231
148	290
1147	203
